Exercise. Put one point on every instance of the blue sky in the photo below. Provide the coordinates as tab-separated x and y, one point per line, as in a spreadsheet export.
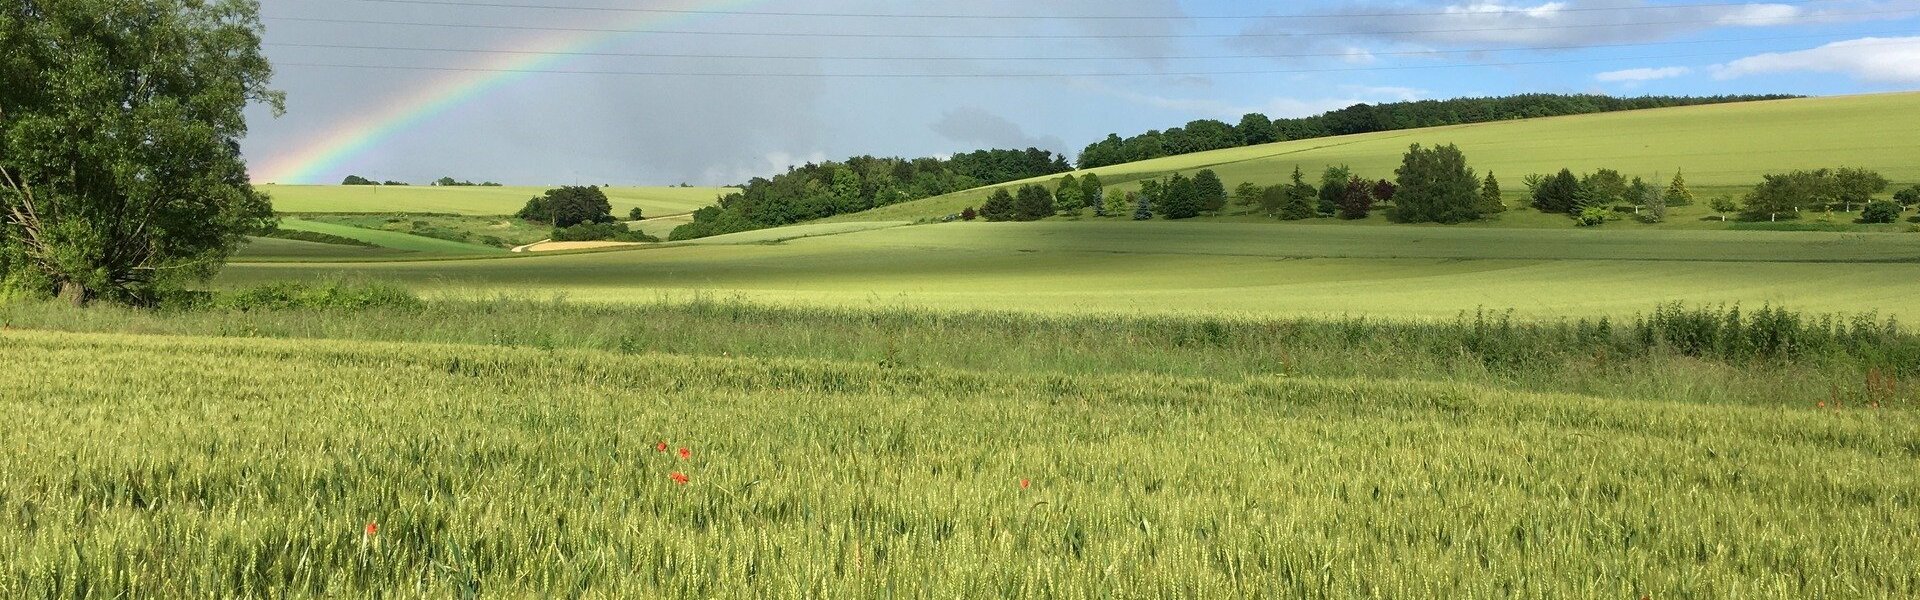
955	84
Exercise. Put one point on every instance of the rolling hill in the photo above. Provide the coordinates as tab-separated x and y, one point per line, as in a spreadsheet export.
472	200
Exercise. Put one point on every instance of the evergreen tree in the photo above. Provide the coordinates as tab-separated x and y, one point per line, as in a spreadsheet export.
1490	202
1302	199
1436	186
1066	195
1143	207
1212	193
999	206
1605	187
1558	194
1032	203
1677	193
1179	198
1333	187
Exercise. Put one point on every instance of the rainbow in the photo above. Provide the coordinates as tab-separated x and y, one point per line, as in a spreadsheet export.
321	160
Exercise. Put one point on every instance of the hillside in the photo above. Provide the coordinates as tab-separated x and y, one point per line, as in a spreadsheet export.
1722	149
472	200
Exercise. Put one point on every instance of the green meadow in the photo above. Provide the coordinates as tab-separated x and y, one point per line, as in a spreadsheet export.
1722	149
472	200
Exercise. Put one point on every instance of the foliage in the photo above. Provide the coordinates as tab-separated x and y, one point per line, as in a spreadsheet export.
1856	186
1490	202
316	237
1176	197
1092	191
1357	199
1210	191
1199	136
567	206
1066	195
1723	204
1383	190
1560	193
1880	211
1118	202
1604	187
599	232
324	295
1143	206
358	180
1436	186
1788	193
999	207
1655	203
451	182
120	128
635	214
1333	186
969	214
1302	199
1677	192
1032	203
1908	197
1591	215
1247	195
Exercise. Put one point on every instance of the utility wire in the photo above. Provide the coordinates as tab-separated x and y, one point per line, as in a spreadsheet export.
1033	75
1243	17
789	34
1054	58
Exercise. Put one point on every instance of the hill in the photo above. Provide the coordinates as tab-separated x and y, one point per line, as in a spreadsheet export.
472	200
1723	148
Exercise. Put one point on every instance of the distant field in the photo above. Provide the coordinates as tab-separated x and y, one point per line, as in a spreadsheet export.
1722	148
1214	268
390	239
472	200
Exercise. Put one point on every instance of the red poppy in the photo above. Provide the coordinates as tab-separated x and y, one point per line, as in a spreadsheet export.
373	528
680	478
1822	404
1024	484
662	446
685	454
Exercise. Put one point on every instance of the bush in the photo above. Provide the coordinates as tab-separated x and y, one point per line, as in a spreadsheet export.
599	232
333	295
1591	216
1723	204
1880	211
1908	197
636	215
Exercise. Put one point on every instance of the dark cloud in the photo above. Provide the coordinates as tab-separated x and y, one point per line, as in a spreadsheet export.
976	126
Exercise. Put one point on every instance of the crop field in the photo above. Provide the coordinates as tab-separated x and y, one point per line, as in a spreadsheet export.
822	459
1214	268
472	200
1722	149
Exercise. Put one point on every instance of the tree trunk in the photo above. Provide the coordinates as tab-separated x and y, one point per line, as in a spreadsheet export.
74	293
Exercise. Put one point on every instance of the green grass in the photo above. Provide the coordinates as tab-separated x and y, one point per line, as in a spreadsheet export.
512	469
1722	149
472	200
389	239
495	231
1210	268
278	250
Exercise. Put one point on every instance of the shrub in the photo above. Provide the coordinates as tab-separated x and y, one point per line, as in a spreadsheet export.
1723	204
1909	196
1591	216
1880	211
332	295
636	215
600	232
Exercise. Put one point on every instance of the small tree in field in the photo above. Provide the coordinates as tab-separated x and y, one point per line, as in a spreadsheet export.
1247	196
1302	199
1880	211
1490	202
1032	203
1677	193
1436	186
1384	190
969	214
1143	208
1092	193
998	207
636	214
1118	203
1066	195
1333	187
1357	199
1211	192
358	180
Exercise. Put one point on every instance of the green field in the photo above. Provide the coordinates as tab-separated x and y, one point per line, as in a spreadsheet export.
392	240
1218	268
472	200
1723	149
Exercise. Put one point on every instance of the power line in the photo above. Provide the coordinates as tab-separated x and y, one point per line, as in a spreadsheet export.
789	34
1052	58
1244	17
1029	75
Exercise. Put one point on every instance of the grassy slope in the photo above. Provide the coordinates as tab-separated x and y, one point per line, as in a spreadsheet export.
273	249
847	479
389	239
1211	267
475	200
1722	149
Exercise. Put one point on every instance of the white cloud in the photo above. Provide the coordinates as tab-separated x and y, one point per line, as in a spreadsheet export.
1881	60
1641	74
1761	15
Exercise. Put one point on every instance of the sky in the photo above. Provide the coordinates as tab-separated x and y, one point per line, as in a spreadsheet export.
714	92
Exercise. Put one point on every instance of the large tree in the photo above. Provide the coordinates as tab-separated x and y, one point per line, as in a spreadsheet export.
1032	203
120	128
1333	187
1212	192
1436	186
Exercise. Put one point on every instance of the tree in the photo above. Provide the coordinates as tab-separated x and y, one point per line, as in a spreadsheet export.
120	127
1256	128
392	182
1143	207
1066	195
1857	186
1356	199
1247	195
636	214
1091	191
1655	203
567	206
1302	199
1384	190
1333	186
1490	202
1178	198
1880	211
1779	194
1117	203
1605	187
1273	200
1677	193
969	214
1637	193
357	180
998	207
1908	197
1560	193
1211	191
1032	203
1436	186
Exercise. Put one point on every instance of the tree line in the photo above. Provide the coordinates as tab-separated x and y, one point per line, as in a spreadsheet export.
441	182
1256	128
814	191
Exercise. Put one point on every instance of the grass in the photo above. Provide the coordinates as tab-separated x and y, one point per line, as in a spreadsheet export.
1210	268
395	240
1721	148
498	232
472	200
501	469
286	250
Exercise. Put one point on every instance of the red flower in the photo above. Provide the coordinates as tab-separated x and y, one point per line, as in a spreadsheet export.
372	528
1822	404
1025	483
685	454
662	447
680	478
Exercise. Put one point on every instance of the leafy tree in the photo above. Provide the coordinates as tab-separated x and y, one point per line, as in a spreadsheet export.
1384	190
1302	199
999	206
357	180
1560	193
1256	128
635	214
1143	207
1591	215
1032	203
1605	187
1779	194
1066	195
1723	203
969	214
1677	193
571	205
1273	200
120	127
1655	203
1857	186
1356	199
1091	191
1436	186
1247	195
1118	203
1490	202
1178	198
1880	211
1908	197
1333	187
392	182
1211	192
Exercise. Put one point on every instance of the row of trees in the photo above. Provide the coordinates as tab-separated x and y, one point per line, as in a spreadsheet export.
358	180
1591	198
1787	194
860	183
442	182
1256	128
